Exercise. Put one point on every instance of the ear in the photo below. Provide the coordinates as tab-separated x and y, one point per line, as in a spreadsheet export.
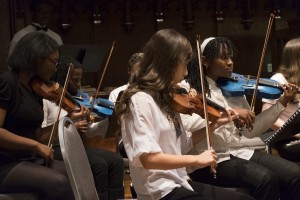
204	61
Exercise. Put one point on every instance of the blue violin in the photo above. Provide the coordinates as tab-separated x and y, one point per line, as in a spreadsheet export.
102	107
239	85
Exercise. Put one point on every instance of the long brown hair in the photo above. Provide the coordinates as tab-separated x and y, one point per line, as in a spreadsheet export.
290	61
162	54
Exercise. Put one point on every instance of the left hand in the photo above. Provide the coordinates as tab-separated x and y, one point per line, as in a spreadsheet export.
289	93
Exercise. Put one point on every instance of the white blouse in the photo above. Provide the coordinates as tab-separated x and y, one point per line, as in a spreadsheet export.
226	139
145	129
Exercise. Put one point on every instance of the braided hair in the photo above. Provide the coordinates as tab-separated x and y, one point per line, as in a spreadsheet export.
219	47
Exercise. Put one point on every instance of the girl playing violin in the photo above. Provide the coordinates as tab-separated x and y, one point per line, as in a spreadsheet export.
288	71
22	140
153	136
107	167
267	176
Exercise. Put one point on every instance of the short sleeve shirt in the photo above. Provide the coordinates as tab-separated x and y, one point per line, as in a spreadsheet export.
24	112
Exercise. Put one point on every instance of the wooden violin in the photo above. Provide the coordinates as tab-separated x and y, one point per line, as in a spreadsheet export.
52	92
189	103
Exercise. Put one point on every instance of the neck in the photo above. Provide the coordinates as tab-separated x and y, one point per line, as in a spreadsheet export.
25	77
215	78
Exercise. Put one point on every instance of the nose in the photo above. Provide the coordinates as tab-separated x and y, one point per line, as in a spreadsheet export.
186	72
229	62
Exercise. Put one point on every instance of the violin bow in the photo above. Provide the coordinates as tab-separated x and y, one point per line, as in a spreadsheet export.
102	76
71	66
204	95
272	16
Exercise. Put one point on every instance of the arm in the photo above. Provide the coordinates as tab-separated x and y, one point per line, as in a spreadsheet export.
167	161
9	140
279	121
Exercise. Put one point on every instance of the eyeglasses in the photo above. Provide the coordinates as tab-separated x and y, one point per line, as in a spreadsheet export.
55	63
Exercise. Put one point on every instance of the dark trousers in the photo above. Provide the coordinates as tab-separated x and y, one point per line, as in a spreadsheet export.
108	170
49	183
268	177
291	153
205	192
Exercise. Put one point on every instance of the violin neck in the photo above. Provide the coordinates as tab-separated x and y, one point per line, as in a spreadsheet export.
215	105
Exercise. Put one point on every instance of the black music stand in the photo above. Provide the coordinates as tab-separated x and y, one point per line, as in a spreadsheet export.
289	128
92	58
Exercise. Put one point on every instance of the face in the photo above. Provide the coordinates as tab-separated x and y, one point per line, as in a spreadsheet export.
42	14
220	67
75	81
181	72
47	66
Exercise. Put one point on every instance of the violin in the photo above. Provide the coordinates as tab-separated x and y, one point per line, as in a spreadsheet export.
53	92
185	103
239	85
102	107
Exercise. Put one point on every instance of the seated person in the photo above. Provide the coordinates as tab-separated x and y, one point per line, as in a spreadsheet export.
107	167
22	139
289	71
239	165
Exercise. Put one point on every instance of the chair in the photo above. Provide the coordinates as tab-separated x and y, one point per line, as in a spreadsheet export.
76	161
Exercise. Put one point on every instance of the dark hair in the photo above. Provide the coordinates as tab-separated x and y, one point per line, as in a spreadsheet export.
135	58
31	48
62	68
162	54
218	47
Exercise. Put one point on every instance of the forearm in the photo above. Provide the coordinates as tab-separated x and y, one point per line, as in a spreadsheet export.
166	161
200	134
9	140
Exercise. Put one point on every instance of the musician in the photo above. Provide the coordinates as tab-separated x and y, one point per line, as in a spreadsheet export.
22	140
107	167
41	11
151	129
133	63
288	71
267	176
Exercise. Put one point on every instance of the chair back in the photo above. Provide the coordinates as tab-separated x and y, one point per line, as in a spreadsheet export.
76	161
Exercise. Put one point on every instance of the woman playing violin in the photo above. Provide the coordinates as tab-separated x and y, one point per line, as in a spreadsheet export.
153	136
288	71
22	140
107	167
267	176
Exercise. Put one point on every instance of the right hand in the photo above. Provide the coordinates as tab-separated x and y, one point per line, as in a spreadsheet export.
247	117
81	126
208	158
46	152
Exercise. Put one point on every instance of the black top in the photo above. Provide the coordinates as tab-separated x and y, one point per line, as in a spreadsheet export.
24	113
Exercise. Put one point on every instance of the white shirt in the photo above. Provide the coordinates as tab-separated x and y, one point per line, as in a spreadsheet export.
291	107
226	139
145	129
115	93
29	29
50	115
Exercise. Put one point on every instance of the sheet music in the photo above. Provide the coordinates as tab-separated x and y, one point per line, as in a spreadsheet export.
289	128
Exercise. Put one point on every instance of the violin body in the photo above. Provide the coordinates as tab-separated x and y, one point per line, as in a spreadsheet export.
102	107
185	103
239	85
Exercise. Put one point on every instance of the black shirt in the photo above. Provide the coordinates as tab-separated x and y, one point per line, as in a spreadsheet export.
24	113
